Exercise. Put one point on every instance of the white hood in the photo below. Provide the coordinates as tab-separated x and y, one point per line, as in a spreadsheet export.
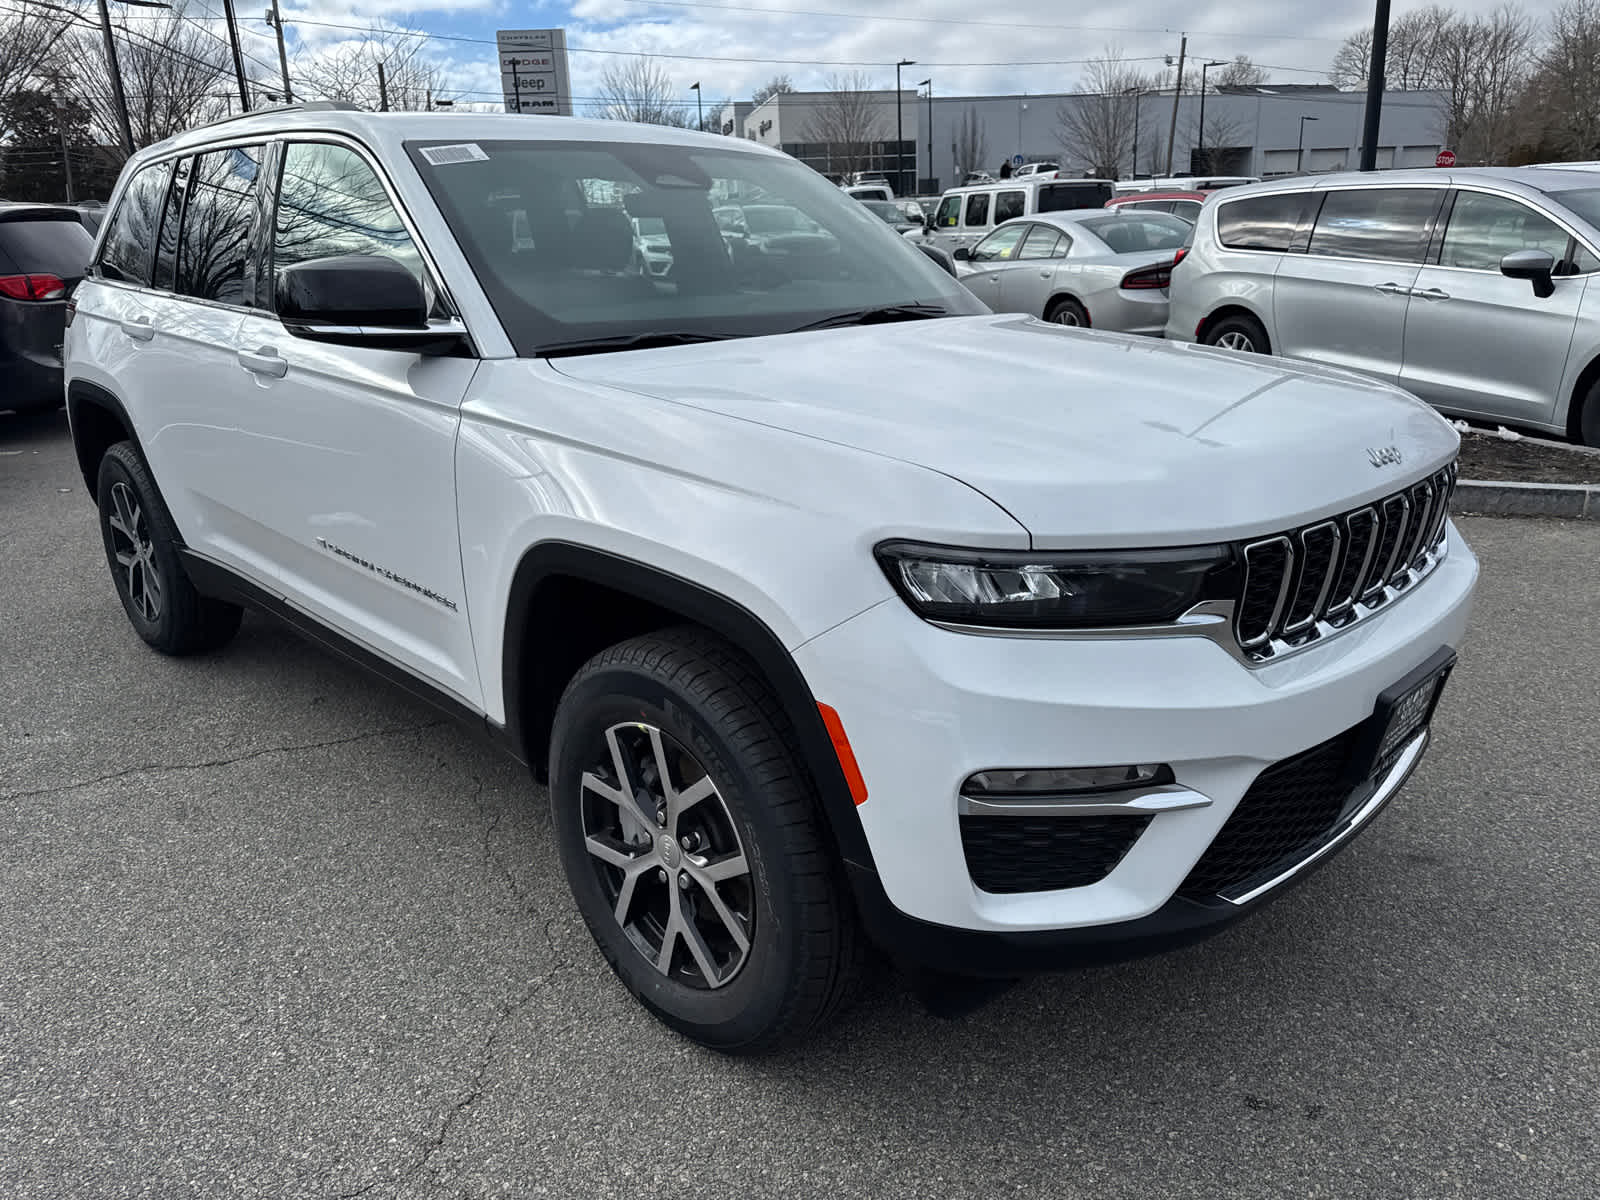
1087	439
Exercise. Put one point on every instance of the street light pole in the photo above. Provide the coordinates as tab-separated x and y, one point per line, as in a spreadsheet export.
1138	94
1300	149
928	83
1375	70
900	131
699	105
1205	155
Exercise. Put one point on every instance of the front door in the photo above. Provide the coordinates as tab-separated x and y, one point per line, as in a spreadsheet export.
352	450
991	259
1477	342
1344	302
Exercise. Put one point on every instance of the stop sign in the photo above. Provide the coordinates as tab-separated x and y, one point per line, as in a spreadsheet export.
1446	158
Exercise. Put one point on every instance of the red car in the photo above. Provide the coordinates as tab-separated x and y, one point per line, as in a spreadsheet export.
1179	204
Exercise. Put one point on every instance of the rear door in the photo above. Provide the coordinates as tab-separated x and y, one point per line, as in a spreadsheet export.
1344	301
1477	342
1027	284
345	455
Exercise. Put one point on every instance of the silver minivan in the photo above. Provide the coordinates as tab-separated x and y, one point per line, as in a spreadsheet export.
1470	288
967	215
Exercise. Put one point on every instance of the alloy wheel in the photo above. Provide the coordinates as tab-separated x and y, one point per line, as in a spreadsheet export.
668	856
1236	340
135	552
1066	315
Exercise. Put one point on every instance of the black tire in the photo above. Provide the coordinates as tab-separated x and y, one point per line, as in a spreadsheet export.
141	549
1064	310
719	726
1243	331
1589	417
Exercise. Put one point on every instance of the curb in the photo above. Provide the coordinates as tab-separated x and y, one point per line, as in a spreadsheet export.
1497	498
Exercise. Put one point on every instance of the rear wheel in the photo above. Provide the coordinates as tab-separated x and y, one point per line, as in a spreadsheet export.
142	551
1589	416
692	841
1067	311
1239	333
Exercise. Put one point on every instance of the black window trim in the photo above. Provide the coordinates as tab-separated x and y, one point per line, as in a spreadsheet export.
1431	225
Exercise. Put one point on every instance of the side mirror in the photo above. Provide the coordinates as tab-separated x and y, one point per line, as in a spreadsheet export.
940	257
1536	266
962	254
361	300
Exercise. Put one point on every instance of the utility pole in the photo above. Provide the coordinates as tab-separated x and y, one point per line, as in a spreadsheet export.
276	21
238	60
1374	114
383	90
116	81
1177	94
61	131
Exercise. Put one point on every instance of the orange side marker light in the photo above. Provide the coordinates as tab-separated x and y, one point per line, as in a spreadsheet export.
846	756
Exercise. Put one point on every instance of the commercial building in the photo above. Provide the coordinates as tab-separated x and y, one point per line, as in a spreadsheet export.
1273	129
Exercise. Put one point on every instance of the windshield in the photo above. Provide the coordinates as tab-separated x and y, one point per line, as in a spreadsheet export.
1583	201
1137	232
628	240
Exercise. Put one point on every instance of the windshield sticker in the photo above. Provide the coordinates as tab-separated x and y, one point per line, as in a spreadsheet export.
443	156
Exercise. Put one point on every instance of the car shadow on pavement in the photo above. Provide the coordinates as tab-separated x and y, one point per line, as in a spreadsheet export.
29	430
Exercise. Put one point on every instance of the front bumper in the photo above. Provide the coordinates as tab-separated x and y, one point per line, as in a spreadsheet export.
924	708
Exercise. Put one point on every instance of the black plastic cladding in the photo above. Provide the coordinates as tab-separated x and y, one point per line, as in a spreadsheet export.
1294	579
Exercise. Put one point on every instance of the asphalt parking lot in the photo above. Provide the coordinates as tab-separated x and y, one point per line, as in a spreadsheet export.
270	929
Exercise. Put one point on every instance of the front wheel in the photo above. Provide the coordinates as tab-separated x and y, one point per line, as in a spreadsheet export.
692	841
1241	334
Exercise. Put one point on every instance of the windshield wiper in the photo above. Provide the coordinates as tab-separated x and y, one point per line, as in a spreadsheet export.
628	341
877	316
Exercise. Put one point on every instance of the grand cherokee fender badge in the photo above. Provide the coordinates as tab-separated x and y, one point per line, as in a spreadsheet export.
386	573
1384	456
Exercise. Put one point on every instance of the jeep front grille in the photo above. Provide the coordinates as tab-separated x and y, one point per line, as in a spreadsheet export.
1306	583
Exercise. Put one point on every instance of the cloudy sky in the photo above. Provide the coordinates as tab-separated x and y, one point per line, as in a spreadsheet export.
732	46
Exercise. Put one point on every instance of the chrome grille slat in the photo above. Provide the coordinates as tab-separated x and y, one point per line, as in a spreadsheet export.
1311	582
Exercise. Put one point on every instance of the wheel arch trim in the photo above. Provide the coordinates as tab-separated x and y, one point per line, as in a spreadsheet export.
698	605
82	394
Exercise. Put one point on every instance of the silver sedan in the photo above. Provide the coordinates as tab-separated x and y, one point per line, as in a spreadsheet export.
1095	267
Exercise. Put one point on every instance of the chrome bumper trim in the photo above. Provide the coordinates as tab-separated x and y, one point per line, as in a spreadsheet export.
1133	803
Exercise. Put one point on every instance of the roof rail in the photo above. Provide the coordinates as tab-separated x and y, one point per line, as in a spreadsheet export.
307	106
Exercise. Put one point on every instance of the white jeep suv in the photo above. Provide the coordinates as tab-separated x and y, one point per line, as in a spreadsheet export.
822	629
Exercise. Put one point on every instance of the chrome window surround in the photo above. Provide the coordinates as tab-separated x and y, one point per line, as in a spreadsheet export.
1418	550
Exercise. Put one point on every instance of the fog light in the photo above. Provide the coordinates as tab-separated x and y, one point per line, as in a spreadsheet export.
1064	781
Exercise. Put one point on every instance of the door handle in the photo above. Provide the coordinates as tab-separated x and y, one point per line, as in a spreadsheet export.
1433	294
265	361
1392	289
1046	274
139	328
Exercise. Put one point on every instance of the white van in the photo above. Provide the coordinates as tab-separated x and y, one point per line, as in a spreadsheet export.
1184	183
968	214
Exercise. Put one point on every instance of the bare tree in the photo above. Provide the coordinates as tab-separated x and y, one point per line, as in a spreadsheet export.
1563	99
777	85
1411	63
638	89
1481	66
31	48
971	146
348	71
1241	72
175	74
1096	126
848	121
1221	132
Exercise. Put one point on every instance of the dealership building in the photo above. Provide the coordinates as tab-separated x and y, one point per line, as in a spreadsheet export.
1266	130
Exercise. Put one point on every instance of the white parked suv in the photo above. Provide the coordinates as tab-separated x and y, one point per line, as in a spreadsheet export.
818	621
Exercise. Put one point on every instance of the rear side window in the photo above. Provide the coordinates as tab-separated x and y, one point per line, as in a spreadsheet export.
1391	224
1059	197
1008	205
978	208
125	254
1260	222
214	247
59	248
1044	242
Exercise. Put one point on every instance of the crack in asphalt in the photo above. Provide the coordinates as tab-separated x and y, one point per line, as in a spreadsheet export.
163	768
480	1070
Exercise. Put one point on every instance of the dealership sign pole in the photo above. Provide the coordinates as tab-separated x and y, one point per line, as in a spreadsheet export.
533	71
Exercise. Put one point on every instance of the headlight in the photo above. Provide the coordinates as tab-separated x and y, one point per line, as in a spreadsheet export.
1043	589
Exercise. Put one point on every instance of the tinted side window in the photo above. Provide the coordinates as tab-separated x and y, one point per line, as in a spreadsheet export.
331	203
1260	222
126	252
214	246
978	208
166	268
949	215
1384	223
1059	197
1008	205
1044	242
1484	229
